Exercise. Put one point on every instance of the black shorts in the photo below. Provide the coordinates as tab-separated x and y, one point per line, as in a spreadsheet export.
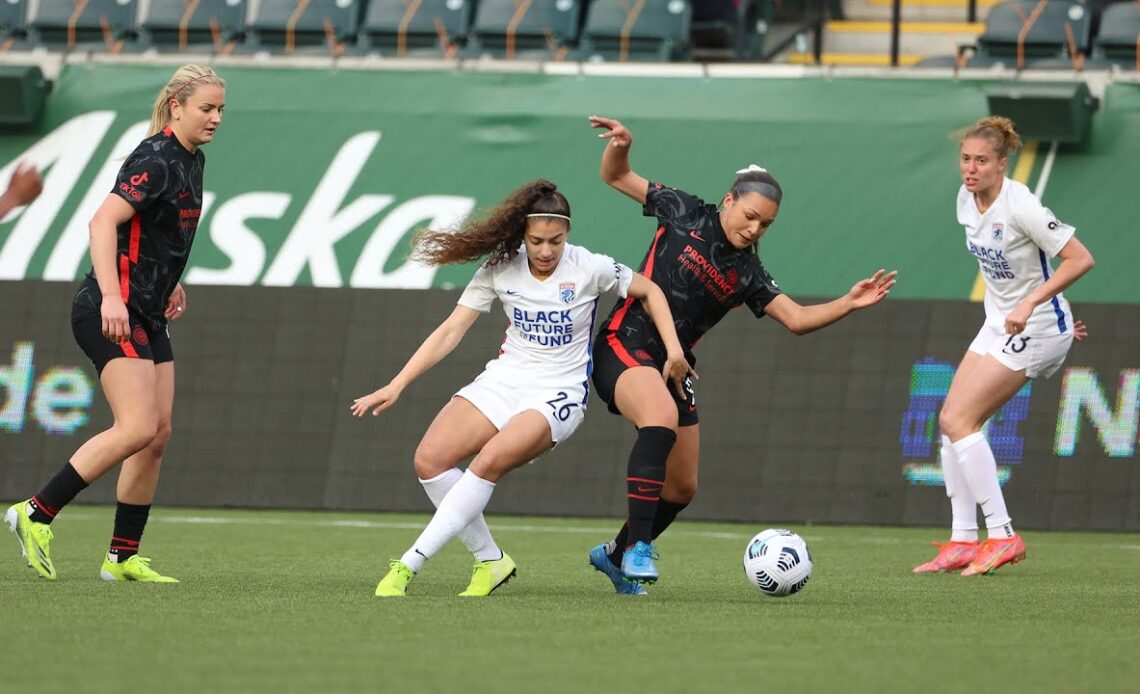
147	341
612	358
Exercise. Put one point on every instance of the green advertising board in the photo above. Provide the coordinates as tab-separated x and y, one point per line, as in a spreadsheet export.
320	178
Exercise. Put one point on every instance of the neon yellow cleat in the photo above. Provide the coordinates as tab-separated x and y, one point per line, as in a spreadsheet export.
35	539
489	575
395	582
134	569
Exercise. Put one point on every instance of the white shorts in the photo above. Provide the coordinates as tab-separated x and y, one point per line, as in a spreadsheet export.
1036	356
500	399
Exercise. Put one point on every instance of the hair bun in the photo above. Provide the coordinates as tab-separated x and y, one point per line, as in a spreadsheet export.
546	187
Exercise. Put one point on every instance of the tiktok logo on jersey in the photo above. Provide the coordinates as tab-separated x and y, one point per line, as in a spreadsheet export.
544	328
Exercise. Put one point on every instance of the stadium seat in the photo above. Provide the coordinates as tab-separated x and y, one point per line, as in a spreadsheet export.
13	22
534	29
1031	34
636	30
730	30
1119	37
311	26
84	24
212	25
416	28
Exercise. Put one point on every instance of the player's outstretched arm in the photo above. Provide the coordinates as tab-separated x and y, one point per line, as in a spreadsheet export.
24	187
615	169
804	319
676	368
438	345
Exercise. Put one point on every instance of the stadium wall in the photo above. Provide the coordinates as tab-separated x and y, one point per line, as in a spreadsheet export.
837	426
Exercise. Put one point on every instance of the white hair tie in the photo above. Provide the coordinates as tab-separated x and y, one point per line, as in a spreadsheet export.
752	168
548	214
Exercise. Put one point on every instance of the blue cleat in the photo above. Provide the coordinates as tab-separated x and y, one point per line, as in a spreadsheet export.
637	564
601	561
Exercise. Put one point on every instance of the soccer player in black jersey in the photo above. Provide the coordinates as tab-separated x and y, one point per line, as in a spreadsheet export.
24	187
705	259
140	242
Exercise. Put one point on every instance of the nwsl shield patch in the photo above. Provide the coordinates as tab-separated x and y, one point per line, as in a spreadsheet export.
998	228
566	291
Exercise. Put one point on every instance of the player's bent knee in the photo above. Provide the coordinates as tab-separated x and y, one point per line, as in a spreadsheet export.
430	463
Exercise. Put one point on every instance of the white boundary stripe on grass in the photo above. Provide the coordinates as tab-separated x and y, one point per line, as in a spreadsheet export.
408	525
867	539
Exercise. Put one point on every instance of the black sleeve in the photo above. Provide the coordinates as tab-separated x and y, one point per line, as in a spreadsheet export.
142	179
761	293
666	203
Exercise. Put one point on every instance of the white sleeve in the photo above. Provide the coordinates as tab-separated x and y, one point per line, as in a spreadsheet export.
610	275
1039	224
480	291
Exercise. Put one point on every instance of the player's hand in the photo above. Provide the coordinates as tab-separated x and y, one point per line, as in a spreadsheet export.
116	320
25	186
677	369
615	132
1018	317
872	290
376	401
1080	330
176	307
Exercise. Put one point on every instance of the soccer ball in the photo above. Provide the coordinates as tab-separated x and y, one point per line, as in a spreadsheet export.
777	562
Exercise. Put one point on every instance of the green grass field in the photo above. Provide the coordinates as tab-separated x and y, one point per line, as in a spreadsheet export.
282	601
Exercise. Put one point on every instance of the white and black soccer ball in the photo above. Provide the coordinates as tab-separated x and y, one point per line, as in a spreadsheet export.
777	562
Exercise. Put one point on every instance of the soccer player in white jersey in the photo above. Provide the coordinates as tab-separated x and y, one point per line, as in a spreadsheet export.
534	394
1027	333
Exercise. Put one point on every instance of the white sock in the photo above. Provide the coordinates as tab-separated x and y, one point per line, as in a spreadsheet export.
964	526
980	470
475	537
462	505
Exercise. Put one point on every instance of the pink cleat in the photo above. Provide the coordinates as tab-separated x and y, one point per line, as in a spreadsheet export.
995	553
951	557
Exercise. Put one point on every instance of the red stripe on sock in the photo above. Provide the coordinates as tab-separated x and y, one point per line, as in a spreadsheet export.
642	479
47	510
643	498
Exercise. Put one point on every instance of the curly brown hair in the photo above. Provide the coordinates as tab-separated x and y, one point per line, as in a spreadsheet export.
498	233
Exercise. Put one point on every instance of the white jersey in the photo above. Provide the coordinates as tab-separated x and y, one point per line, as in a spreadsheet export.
550	323
1013	242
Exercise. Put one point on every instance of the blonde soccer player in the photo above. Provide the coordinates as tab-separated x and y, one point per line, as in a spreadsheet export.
534	394
1027	333
141	237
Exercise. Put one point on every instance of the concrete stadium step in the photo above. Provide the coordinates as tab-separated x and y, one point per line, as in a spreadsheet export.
915	38
869	43
916	10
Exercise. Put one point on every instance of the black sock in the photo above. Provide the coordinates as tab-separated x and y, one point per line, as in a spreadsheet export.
130	521
56	494
666	513
645	479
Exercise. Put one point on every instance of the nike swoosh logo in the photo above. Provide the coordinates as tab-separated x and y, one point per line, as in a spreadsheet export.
643	489
695	236
512	292
182	195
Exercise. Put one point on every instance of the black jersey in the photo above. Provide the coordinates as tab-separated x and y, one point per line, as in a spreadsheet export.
702	274
162	181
